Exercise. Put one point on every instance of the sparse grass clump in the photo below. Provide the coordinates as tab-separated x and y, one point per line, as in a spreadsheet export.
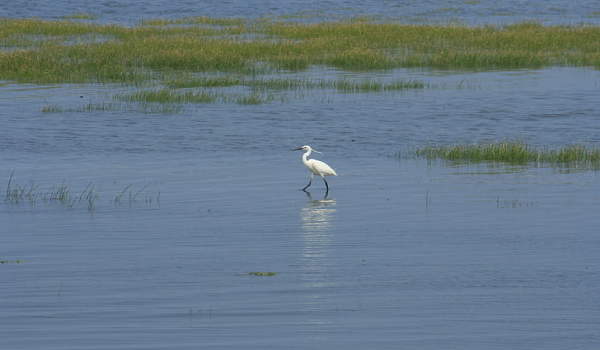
245	90
11	261
258	273
168	96
130	195
282	84
63	194
16	193
513	151
50	108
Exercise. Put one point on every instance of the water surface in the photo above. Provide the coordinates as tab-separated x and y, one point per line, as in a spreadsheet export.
412	11
401	253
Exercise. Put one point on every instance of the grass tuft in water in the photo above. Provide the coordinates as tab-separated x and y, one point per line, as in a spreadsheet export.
132	197
89	196
169	96
371	85
49	108
257	273
514	203
120	195
16	193
513	151
11	261
254	99
62	193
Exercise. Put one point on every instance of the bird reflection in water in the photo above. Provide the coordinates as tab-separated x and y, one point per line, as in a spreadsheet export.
318	220
317	215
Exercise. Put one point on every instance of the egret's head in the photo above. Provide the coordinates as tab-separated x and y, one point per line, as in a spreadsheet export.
307	148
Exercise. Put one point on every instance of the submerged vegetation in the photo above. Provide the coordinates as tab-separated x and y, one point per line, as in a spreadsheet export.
11	261
513	151
219	56
258	273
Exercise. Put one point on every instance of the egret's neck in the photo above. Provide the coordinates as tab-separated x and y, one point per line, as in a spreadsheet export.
305	155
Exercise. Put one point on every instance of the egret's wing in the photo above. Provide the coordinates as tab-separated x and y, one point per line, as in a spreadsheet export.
322	168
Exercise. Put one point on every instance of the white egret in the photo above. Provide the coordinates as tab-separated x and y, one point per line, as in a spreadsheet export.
315	166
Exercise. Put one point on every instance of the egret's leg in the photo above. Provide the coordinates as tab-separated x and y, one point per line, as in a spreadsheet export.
310	182
326	184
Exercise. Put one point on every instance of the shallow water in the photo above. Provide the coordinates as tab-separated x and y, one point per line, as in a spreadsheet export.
402	253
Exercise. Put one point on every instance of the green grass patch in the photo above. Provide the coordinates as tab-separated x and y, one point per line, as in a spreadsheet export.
165	58
168	96
69	51
297	84
373	85
513	151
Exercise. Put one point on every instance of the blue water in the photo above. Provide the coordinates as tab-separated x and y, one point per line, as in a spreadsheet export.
429	11
401	253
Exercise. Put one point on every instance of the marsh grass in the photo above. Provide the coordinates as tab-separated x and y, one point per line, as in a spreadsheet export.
120	195
226	89
51	108
258	273
49	51
201	20
99	106
372	85
254	98
514	151
16	193
131	196
287	84
63	194
166	95
159	55
59	193
514	203
89	196
11	261
81	15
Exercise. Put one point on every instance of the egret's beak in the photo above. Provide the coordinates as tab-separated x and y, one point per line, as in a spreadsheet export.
297	149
